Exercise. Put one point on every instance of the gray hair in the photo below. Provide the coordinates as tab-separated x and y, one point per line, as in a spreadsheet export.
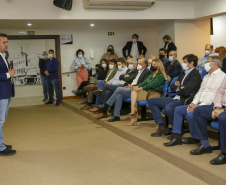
218	60
134	60
174	52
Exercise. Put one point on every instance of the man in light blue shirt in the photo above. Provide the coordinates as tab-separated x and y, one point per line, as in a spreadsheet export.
203	59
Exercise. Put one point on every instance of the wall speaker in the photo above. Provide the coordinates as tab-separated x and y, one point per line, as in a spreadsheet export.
65	4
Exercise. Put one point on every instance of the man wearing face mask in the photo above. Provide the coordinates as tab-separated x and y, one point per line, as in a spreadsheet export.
169	45
204	58
205	96
173	67
124	92
163	56
221	51
134	47
187	84
51	71
150	59
42	63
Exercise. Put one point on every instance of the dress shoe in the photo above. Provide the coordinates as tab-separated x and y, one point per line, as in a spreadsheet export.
174	141
201	150
49	102
102	115
57	103
90	87
220	159
8	146
94	109
114	118
170	137
103	107
189	140
161	130
44	99
7	152
86	107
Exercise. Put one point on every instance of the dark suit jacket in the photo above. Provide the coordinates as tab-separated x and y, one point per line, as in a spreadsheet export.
192	84
224	65
174	70
132	74
144	75
171	47
141	48
6	85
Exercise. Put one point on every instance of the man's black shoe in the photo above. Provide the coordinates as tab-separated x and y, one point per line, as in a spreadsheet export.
57	104
220	159
201	150
49	102
173	142
7	152
99	106
8	146
189	140
104	107
114	118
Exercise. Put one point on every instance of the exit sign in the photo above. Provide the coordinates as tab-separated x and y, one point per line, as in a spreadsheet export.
111	33
31	32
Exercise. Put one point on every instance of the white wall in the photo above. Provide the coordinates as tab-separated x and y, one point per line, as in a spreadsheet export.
97	40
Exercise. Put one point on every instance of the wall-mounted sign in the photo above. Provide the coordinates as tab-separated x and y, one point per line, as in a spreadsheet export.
111	33
31	32
66	39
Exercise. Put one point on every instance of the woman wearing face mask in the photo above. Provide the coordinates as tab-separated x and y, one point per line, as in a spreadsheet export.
81	65
154	81
110	53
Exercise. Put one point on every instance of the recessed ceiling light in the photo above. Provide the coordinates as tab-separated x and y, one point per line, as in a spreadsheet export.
92	25
29	24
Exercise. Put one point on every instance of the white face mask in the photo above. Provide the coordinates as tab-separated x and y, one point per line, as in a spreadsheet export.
149	61
185	67
139	67
128	60
130	66
134	40
79	56
207	67
50	55
111	66
216	54
207	52
170	58
104	65
119	67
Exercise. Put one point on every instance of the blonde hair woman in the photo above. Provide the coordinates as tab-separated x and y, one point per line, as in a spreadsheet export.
154	81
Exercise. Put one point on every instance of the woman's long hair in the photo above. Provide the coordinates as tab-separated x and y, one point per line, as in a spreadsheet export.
161	67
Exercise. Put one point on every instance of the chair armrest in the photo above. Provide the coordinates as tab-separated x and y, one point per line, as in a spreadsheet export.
188	100
166	94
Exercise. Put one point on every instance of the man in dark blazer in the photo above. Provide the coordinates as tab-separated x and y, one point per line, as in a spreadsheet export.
188	84
173	67
134	47
169	45
6	92
125	92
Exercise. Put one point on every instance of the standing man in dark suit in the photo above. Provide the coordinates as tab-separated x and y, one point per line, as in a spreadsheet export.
134	47
169	45
6	92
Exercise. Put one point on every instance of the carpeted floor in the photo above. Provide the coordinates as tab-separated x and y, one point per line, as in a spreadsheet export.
56	146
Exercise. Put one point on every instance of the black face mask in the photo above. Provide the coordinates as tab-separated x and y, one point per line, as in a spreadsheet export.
109	50
161	57
153	68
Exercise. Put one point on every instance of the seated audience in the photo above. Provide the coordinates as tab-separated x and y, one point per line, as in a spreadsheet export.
154	81
125	92
110	53
169	45
128	58
187	84
204	58
150	59
81	65
134	47
221	51
203	115
163	56
173	67
205	96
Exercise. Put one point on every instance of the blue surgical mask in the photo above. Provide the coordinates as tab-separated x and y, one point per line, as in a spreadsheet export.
44	57
170	58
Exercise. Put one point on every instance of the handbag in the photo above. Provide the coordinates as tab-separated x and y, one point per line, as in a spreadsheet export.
144	95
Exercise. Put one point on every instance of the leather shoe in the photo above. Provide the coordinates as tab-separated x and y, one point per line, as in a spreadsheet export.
90	87
189	140
103	107
220	159
7	152
8	146
94	110
174	141
57	103
201	150
161	130
49	102
114	118
102	115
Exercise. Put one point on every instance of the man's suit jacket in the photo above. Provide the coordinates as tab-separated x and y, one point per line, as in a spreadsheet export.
132	74
143	76
171	47
174	70
192	84
6	85
112	74
141	48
